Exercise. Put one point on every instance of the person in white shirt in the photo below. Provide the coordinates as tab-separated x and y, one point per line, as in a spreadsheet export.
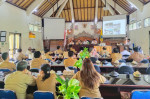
71	42
125	52
85	42
130	44
94	41
28	51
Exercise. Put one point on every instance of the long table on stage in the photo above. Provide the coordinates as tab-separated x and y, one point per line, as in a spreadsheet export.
77	47
99	48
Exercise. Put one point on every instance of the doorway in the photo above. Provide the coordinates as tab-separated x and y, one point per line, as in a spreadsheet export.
14	43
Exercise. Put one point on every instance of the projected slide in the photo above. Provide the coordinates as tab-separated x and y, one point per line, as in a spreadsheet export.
114	26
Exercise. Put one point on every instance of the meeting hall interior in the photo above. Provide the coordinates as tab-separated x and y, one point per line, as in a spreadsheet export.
74	49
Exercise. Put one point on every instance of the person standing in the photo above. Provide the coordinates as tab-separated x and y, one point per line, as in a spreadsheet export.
130	44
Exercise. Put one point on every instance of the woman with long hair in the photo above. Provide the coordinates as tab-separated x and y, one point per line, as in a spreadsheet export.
46	81
89	79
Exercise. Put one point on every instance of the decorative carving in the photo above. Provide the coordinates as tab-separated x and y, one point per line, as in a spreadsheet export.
84	25
84	34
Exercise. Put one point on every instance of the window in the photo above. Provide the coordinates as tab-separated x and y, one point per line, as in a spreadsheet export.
147	22
139	25
2	36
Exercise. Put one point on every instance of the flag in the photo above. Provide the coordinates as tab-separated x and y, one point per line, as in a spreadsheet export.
101	36
65	33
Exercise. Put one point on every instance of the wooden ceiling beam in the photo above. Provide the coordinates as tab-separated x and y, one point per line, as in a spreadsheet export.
109	8
50	12
137	4
96	12
72	12
118	8
34	6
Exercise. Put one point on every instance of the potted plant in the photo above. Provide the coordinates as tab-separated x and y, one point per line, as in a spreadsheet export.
69	88
84	54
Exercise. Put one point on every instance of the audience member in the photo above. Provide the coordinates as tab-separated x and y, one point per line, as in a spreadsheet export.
70	61
47	55
6	64
136	56
18	81
29	51
115	55
19	56
125	52
37	61
90	80
96	63
58	51
94	53
104	52
72	49
31	55
65	53
46	81
94	41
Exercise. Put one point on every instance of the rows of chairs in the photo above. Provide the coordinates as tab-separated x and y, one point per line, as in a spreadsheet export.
8	94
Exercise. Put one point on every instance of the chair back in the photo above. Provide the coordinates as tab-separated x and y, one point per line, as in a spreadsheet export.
5	70
35	70
7	94
126	56
90	98
145	61
140	94
148	70
125	70
73	68
48	60
43	95
122	61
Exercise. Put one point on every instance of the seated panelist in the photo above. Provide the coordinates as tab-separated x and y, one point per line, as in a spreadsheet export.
79	42
85	42
94	41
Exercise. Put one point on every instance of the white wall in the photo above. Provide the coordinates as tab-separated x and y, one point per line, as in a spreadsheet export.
81	29
141	36
13	19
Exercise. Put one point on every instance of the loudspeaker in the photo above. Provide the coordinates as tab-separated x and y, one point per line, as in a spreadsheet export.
42	22
128	19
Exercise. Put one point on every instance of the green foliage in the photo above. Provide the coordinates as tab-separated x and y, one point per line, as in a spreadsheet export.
69	89
78	63
84	54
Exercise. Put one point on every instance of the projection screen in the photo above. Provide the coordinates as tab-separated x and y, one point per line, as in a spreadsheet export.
53	28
